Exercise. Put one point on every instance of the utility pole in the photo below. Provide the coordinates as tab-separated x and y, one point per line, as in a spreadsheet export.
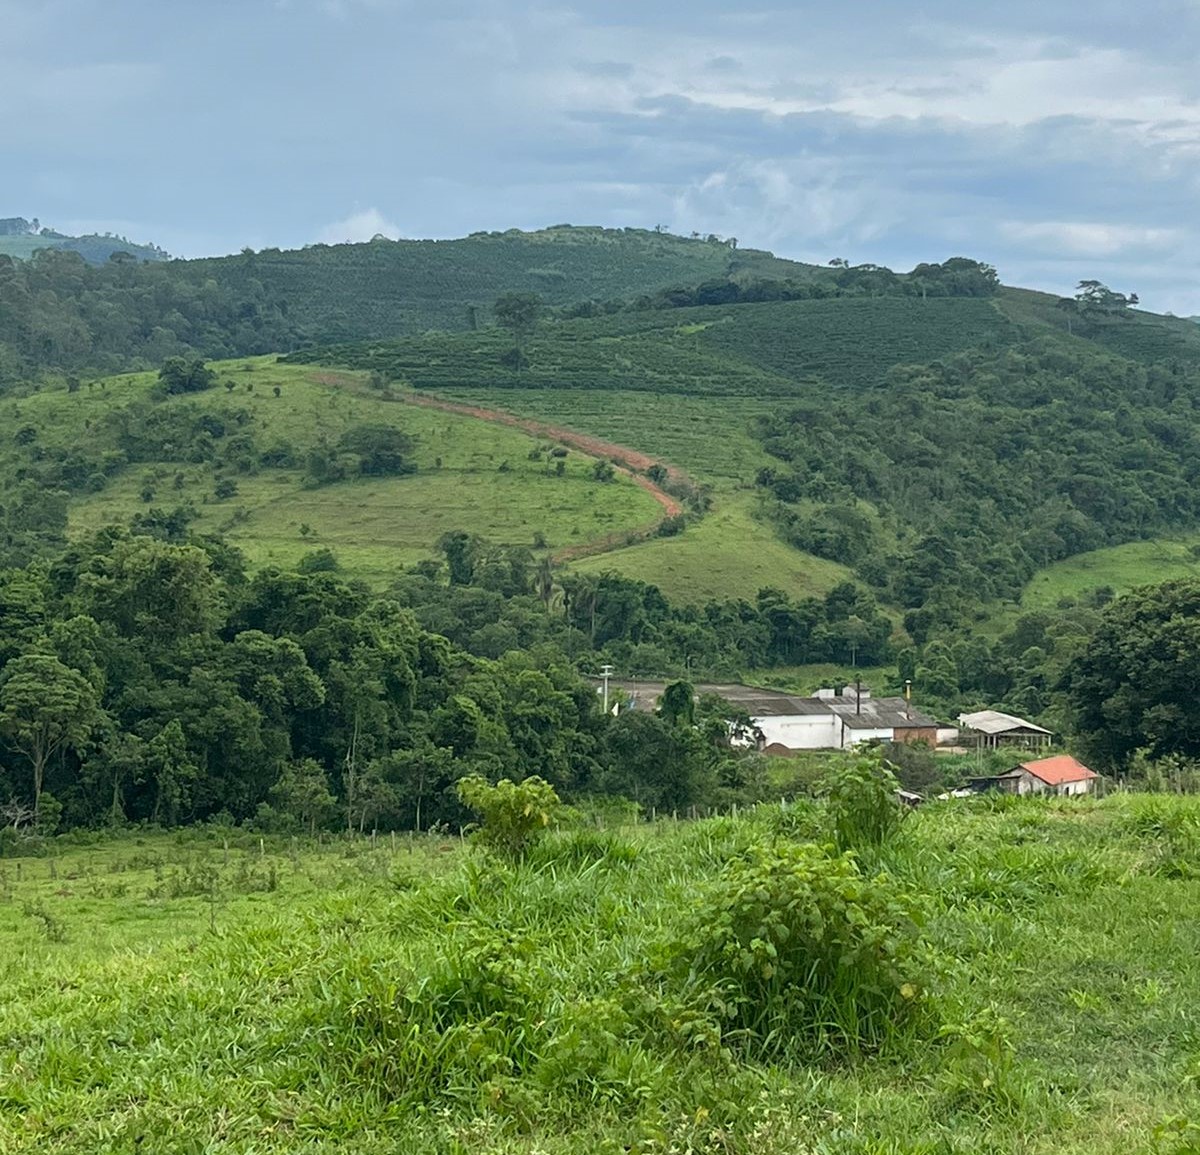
606	672
908	697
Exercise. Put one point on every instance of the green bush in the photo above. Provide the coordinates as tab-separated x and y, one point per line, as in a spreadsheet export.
864	811
513	815
805	956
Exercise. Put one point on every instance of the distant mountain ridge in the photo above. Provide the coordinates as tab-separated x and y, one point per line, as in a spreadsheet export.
21	238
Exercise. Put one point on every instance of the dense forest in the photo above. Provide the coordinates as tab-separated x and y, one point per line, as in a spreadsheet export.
986	466
149	680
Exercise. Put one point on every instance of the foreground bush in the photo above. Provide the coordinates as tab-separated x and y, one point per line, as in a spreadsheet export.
513	815
805	956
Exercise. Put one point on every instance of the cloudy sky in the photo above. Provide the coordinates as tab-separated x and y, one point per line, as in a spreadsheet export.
1057	139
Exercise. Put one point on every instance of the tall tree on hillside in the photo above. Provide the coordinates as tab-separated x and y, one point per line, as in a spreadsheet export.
518	313
1098	300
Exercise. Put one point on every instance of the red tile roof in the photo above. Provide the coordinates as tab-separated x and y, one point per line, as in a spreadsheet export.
1058	770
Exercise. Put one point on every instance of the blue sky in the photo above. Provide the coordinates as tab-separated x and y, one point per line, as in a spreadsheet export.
1058	140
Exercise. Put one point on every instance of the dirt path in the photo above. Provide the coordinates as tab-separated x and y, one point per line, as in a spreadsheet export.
630	463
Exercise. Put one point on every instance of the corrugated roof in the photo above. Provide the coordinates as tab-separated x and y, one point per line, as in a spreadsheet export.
879	714
1059	770
994	722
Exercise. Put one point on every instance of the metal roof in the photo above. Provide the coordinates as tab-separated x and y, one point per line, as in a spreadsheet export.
994	722
879	714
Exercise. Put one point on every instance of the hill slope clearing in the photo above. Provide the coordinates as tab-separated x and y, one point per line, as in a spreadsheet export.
240	458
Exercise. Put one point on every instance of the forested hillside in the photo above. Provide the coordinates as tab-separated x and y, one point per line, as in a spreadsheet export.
882	462
58	313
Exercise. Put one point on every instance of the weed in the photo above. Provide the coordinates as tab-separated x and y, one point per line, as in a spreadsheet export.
53	927
862	803
803	954
513	816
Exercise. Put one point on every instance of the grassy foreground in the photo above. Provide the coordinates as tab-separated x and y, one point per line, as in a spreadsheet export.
208	992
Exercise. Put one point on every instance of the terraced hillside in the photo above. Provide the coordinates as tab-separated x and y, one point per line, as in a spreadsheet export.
943	448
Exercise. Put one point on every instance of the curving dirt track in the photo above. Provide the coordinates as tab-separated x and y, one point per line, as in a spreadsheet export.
632	463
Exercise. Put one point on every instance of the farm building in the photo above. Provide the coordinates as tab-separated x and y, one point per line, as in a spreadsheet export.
991	728
1061	774
828	720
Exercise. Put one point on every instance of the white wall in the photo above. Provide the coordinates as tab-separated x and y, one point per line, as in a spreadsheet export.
850	737
801	731
815	732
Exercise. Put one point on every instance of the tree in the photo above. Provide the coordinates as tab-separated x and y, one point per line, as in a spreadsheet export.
382	450
678	704
303	792
170	765
1098	300
46	707
181	375
460	549
518	313
1133	685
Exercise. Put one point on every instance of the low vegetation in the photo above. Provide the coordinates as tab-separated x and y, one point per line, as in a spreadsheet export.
992	978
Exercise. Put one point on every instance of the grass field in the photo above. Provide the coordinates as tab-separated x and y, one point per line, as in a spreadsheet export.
730	553
472	475
205	992
1120	568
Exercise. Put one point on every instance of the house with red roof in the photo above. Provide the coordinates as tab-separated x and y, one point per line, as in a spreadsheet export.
1061	774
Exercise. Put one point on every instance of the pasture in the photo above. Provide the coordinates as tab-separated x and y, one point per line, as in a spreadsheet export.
211	991
1119	569
471	475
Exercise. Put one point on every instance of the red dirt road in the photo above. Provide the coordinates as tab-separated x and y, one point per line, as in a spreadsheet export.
630	462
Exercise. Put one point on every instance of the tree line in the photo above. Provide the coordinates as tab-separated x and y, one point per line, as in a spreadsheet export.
146	680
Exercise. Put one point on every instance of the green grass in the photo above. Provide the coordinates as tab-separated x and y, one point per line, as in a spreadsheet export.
472	475
169	993
728	554
1120	568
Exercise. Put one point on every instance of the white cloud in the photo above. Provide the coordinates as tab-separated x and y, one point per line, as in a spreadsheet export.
359	226
1092	239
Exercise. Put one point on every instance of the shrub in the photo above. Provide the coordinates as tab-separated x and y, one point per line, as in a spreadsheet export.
805	956
863	808
513	815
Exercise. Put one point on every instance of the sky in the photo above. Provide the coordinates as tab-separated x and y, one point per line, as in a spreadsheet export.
1055	139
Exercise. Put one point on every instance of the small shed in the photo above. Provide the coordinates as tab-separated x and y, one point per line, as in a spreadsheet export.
991	728
1061	774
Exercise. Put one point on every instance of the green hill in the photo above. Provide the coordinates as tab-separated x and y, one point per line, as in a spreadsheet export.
392	287
61	314
942	448
238	461
20	239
